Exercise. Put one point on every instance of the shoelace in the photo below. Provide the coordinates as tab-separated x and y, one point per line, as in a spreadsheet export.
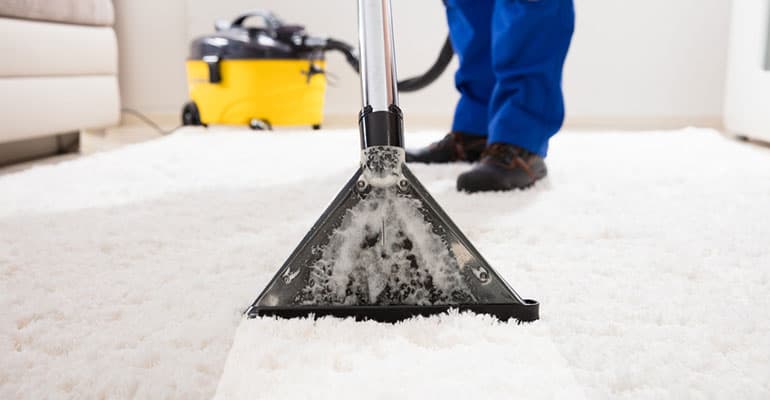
506	156
452	141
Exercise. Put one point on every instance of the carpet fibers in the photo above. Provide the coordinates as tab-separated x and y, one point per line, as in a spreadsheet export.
124	274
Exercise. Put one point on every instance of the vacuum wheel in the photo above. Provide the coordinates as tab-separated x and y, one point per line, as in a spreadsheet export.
260	124
190	114
316	127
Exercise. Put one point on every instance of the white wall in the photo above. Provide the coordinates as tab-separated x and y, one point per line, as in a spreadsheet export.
648	59
152	47
630	60
747	104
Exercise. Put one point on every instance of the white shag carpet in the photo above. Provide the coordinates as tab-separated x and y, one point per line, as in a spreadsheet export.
124	274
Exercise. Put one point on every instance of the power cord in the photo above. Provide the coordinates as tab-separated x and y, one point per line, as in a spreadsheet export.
138	114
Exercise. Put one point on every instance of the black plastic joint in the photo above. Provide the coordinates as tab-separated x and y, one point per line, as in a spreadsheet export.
215	75
381	128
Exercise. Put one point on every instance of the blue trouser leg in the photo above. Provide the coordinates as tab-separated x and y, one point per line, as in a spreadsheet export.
511	56
471	35
530	40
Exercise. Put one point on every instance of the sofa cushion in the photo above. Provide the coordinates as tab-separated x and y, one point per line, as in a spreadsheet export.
33	107
38	48
81	12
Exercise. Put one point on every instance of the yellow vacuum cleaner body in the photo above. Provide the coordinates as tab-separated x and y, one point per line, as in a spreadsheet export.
263	76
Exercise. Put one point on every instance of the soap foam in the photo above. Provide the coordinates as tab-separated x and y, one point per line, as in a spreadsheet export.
385	253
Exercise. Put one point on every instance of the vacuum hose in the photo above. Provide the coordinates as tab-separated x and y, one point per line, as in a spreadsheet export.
412	84
439	66
347	50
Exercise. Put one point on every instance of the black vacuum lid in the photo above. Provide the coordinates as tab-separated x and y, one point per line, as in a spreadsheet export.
270	40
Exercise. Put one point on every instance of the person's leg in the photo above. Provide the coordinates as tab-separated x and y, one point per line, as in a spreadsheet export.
470	30
471	34
530	39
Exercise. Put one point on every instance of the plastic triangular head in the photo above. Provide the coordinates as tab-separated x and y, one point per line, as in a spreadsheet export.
387	254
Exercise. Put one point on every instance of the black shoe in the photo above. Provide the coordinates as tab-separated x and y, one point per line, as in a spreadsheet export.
503	167
455	146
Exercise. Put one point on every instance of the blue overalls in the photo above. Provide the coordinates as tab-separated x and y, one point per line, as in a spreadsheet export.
511	57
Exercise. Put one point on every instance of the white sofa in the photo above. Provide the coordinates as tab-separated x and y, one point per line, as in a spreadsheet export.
58	75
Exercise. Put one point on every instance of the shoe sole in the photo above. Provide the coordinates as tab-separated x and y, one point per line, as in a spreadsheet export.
413	161
470	189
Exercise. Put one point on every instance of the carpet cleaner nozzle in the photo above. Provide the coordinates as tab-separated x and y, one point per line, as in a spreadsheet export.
384	249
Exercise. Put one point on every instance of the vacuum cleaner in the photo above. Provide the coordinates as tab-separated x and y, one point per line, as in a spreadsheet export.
270	74
384	250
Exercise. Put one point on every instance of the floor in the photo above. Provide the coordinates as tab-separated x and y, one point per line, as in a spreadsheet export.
135	130
124	273
130	132
96	141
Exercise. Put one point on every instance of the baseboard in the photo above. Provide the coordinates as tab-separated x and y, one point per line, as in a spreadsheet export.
30	149
641	123
437	121
424	121
164	119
